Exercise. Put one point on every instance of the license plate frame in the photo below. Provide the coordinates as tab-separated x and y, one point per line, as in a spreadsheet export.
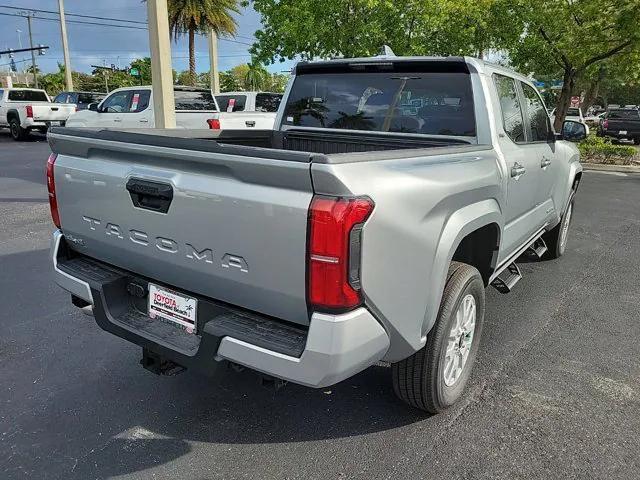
175	307
622	132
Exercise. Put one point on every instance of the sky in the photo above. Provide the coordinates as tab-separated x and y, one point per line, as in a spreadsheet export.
103	44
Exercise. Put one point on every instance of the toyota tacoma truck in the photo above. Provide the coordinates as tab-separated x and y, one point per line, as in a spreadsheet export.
25	109
365	227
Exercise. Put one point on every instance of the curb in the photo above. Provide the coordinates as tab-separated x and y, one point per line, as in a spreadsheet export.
611	168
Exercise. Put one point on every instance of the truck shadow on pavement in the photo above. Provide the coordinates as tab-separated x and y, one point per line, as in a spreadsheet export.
79	405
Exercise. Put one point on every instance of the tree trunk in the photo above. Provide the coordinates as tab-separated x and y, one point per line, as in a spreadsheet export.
564	100
592	92
192	57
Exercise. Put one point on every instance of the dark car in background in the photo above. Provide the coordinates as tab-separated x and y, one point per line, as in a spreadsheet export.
621	123
81	99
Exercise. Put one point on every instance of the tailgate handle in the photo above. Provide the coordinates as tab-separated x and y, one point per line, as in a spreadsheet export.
154	196
54	109
250	123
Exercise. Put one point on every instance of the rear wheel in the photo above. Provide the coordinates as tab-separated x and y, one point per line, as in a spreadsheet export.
17	132
636	141
433	378
556	239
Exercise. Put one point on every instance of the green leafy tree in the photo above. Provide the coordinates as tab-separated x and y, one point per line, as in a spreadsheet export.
257	77
200	16
568	38
143	65
351	28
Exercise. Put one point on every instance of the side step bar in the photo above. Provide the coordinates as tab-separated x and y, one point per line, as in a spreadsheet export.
505	282
539	248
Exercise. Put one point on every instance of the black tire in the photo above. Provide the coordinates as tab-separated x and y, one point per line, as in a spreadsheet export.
553	238
17	132
636	141
419	380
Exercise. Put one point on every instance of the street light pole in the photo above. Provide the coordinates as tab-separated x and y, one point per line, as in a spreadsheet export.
213	62
33	56
164	108
65	47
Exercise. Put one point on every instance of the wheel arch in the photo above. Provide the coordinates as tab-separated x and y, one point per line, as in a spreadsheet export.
467	235
11	114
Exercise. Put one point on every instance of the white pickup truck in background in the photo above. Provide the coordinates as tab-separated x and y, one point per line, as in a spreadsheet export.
248	110
132	107
196	108
26	109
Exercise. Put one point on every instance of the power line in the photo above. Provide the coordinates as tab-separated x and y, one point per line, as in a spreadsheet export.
103	24
75	21
73	14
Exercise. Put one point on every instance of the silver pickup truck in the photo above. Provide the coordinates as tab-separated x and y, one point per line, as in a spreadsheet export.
364	228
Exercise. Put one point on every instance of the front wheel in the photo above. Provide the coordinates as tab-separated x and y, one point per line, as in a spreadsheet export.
17	132
433	378
556	239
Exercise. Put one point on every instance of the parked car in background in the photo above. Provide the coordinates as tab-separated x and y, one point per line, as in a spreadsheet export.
365	227
25	109
255	110
132	107
621	123
594	118
81	100
574	114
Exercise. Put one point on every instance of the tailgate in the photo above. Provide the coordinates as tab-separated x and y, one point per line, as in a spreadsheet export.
52	112
247	120
234	230
623	124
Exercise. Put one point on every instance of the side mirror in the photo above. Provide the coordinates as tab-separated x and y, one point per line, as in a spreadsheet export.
93	107
574	131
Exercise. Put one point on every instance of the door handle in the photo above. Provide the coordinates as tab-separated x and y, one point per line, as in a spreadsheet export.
545	162
517	170
144	120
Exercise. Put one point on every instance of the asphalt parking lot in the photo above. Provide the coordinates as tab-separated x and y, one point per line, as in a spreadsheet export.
556	392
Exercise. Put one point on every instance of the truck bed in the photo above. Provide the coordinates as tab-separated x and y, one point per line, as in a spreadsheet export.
303	141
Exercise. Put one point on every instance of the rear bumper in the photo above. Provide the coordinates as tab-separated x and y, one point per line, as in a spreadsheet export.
334	347
31	123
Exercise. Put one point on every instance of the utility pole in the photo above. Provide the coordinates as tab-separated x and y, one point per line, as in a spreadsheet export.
65	47
164	107
213	62
33	56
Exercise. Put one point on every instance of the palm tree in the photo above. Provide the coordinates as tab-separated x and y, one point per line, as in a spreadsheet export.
256	77
201	16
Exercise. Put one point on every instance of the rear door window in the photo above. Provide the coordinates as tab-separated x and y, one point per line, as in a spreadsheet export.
268	102
539	128
423	102
28	96
231	103
512	118
194	100
139	101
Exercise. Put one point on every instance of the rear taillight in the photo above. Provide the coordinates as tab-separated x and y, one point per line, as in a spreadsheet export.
605	124
335	234
214	124
29	109
51	187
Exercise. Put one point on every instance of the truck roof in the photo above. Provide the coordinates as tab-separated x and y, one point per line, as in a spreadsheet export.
470	64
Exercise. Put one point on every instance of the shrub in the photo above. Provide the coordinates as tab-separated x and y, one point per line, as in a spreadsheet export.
602	150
